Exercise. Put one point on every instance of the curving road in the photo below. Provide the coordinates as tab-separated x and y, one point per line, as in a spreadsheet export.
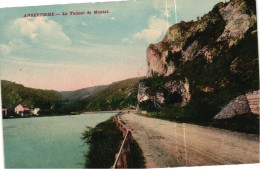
170	144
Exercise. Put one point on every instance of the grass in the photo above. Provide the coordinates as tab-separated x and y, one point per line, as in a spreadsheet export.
245	123
104	142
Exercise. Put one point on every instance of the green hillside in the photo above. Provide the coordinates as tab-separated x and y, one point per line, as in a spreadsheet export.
14	94
116	96
81	93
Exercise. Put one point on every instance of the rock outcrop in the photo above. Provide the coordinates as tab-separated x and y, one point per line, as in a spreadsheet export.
222	28
248	103
238	21
180	87
235	107
204	64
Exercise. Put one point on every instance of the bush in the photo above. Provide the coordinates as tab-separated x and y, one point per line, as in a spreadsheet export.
104	141
147	105
247	123
74	113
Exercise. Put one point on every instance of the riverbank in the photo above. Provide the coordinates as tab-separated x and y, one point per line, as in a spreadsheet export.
73	114
105	141
111	111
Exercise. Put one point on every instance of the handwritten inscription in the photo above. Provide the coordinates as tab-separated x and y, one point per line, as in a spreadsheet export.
95	12
156	137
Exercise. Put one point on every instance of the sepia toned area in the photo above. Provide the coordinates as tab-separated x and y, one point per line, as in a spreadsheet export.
167	144
174	84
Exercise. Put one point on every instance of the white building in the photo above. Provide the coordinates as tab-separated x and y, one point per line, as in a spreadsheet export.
144	98
35	111
21	109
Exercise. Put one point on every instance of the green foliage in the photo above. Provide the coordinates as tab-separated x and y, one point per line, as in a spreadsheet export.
104	141
251	6
14	94
74	113
147	105
247	123
174	57
155	84
117	96
81	93
212	31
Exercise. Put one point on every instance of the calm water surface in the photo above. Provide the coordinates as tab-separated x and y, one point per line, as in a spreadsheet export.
48	142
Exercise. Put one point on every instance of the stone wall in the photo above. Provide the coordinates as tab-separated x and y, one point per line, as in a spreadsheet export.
254	101
123	157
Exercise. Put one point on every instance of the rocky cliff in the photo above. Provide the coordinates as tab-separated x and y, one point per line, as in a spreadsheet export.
205	64
217	31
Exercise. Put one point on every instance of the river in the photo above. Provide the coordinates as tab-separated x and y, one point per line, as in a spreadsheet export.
48	142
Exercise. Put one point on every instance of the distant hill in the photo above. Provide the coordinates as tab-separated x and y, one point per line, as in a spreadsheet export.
14	94
118	95
81	93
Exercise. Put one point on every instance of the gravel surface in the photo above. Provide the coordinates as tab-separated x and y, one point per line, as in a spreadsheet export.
170	144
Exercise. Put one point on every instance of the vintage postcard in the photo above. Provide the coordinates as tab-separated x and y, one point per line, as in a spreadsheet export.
131	84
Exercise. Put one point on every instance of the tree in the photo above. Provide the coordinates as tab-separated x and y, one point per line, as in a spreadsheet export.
155	85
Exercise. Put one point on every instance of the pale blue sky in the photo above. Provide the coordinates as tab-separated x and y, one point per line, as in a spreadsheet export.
73	52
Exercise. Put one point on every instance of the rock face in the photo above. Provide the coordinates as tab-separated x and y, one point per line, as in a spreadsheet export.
223	27
180	87
143	96
235	107
238	21
204	64
156	60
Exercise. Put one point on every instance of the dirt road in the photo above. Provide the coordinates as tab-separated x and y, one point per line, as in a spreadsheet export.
169	144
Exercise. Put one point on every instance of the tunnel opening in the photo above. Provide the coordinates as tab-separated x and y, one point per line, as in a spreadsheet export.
175	98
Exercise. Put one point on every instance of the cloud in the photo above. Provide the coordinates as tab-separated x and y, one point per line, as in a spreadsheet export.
84	24
32	34
156	29
126	40
38	30
5	49
166	7
13	45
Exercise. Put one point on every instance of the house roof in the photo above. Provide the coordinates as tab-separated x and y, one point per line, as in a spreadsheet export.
144	96
24	106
